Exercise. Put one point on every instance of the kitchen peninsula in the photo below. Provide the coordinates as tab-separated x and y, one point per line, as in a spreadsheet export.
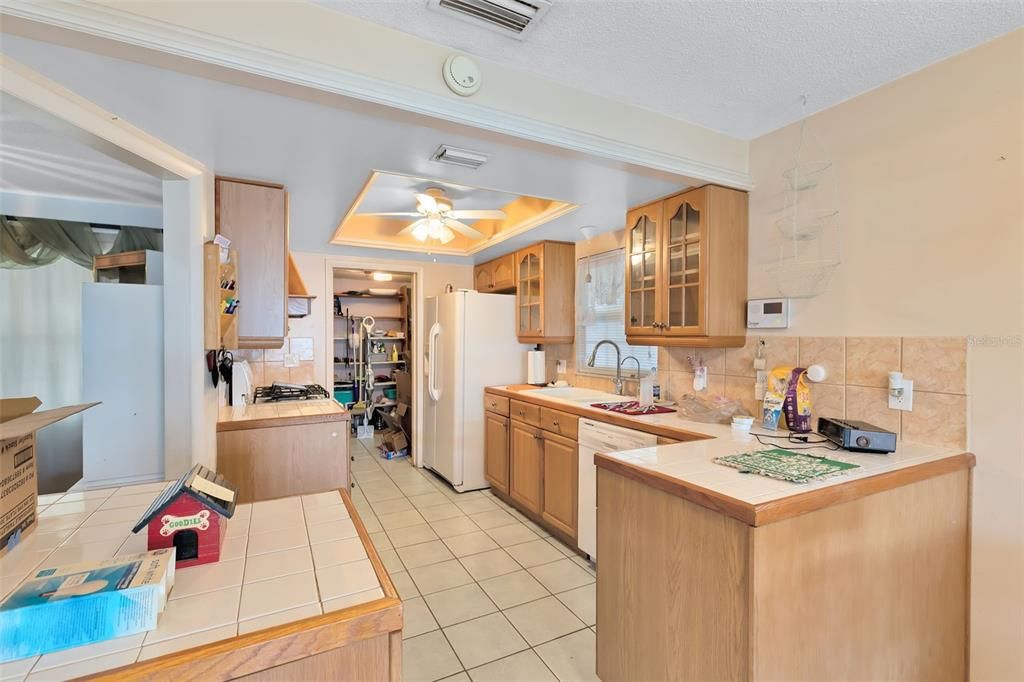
707	573
278	449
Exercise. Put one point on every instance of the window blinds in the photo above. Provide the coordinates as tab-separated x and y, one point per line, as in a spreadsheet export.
600	314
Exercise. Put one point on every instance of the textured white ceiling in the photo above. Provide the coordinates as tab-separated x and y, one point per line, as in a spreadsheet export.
739	67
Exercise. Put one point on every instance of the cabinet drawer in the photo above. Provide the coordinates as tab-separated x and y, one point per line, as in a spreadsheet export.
496	404
562	423
525	412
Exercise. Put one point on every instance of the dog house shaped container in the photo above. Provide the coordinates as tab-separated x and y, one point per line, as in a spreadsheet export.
191	516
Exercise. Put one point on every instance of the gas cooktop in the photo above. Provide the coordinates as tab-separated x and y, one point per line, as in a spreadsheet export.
279	392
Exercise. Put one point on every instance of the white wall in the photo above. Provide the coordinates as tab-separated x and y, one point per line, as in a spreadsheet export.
930	176
41	355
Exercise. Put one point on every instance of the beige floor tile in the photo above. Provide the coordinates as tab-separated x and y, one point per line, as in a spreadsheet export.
484	639
493	519
442	576
525	666
416	618
459	677
441	511
561	547
534	553
561	575
411	535
460	604
582	601
428	657
391	560
489	564
512	535
513	589
543	620
471	543
404	584
428	500
391	506
424	554
402	519
572	657
458	525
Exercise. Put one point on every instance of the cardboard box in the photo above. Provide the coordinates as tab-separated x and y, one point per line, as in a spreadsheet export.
18	479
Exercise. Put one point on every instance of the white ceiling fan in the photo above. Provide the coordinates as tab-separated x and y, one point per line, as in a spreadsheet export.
438	219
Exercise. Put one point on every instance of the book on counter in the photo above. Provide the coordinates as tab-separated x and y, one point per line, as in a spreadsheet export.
58	607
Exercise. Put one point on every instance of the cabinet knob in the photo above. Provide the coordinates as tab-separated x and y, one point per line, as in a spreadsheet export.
554	423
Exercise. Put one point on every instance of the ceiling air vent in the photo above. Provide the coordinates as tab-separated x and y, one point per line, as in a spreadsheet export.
514	18
459	157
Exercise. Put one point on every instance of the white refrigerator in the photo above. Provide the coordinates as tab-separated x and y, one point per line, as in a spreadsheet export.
471	344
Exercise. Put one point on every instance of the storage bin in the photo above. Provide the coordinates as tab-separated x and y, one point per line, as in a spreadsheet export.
344	395
391	393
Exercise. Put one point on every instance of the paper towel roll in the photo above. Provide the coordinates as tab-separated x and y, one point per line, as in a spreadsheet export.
536	373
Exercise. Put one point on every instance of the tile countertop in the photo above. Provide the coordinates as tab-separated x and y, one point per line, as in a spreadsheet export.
282	561
284	413
688	470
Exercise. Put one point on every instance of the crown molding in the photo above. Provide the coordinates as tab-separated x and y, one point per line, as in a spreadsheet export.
114	24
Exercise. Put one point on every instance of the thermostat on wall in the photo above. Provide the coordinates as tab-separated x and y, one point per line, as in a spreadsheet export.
768	313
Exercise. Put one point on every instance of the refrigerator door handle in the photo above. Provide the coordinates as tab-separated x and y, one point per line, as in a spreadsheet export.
432	389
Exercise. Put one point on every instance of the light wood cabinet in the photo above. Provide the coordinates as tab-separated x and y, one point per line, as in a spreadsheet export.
496	451
496	276
686	269
254	216
560	475
545	292
525	484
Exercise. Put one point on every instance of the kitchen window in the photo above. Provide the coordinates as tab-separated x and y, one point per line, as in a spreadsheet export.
600	314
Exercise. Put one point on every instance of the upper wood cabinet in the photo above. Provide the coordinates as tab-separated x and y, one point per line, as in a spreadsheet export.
496	276
686	269
545	292
254	216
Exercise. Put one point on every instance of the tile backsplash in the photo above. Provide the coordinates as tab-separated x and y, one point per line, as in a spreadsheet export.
855	387
272	364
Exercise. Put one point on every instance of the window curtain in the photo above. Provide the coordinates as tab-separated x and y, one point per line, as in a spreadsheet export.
34	242
600	314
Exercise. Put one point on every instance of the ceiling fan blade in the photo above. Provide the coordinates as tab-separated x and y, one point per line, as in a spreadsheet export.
463	228
426	203
411	226
407	214
477	215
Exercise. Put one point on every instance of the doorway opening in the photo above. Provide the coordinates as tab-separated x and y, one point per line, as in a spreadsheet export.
374	332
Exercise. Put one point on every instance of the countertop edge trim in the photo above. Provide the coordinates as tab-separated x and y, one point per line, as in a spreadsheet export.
786	508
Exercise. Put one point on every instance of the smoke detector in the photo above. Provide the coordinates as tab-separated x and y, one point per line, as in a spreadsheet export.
513	18
461	75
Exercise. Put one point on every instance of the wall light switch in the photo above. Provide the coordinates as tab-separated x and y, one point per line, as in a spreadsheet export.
903	402
560	366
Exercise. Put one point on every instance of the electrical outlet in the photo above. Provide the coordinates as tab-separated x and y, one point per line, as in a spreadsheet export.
904	402
760	384
760	363
291	359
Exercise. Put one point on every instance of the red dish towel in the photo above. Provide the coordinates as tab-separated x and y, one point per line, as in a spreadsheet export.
633	408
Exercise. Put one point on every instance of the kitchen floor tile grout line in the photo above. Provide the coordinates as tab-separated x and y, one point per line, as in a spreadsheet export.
367	504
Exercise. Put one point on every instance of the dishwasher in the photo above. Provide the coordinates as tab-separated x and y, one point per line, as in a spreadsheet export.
595	436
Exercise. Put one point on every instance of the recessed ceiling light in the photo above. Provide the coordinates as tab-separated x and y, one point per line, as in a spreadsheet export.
381	276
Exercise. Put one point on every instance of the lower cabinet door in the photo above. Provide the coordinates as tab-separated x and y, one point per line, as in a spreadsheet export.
561	483
525	482
496	451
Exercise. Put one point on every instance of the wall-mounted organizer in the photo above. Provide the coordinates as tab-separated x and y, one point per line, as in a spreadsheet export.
220	297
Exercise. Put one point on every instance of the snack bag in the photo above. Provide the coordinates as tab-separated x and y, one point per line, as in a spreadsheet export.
797	404
775	397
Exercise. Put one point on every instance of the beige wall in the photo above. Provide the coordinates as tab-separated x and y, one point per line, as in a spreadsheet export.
933	245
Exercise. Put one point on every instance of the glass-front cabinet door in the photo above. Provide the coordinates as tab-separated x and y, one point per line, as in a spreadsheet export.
642	270
529	293
685	264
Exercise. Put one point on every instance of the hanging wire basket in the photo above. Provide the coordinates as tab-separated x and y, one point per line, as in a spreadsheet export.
796	278
806	224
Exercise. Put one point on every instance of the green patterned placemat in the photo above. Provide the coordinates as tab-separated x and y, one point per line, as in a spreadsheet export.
786	465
